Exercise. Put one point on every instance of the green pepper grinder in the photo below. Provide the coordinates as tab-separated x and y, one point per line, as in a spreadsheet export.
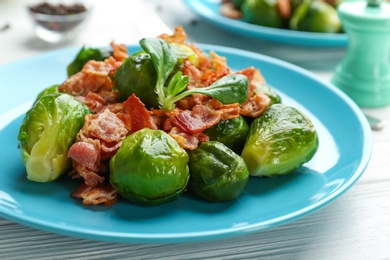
364	73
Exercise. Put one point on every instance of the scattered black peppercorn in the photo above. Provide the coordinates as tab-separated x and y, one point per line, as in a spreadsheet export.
60	9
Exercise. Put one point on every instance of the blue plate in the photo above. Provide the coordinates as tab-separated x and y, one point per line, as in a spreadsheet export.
209	10
266	203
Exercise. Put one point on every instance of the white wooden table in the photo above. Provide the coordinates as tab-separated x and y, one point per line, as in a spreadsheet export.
355	226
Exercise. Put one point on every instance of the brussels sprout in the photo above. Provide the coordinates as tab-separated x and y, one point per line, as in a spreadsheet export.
83	56
262	12
270	92
48	130
50	90
231	133
315	16
150	168
137	75
217	173
279	141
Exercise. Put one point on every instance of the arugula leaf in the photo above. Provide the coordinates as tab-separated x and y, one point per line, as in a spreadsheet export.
229	89
164	61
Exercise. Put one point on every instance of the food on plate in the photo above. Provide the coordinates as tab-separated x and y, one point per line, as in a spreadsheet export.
279	141
149	168
148	126
46	134
83	56
217	173
231	132
302	15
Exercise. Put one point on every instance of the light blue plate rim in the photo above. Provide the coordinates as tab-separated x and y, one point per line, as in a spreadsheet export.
337	117
209	11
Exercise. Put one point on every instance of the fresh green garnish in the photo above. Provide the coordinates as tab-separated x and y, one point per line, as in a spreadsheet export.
229	89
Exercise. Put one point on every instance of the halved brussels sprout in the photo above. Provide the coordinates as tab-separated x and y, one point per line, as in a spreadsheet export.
231	133
279	141
217	173
150	168
48	130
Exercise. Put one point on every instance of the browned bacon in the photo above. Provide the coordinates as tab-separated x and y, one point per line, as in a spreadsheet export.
101	194
86	153
100	137
92	78
186	140
120	51
193	122
178	36
256	105
135	116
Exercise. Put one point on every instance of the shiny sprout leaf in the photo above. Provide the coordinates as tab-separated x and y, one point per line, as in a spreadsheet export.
48	130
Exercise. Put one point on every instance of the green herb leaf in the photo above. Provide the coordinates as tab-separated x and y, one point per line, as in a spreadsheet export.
228	90
177	84
164	60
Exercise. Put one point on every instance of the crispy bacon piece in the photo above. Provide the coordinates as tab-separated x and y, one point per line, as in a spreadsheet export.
195	121
106	127
120	51
178	36
90	178
193	73
218	69
227	111
101	194
92	78
186	140
256	105
86	153
135	115
100	137
94	101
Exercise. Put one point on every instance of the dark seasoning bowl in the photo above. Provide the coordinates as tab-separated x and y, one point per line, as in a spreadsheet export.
58	22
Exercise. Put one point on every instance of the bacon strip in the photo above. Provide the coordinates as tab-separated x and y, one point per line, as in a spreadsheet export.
101	194
195	121
135	116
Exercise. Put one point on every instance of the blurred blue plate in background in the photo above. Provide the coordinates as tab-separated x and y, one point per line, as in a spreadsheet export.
210	11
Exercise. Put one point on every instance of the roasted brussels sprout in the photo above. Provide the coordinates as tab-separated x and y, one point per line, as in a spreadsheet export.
217	173
150	168
50	90
262	12
315	16
138	76
83	56
48	130
279	141
231	133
